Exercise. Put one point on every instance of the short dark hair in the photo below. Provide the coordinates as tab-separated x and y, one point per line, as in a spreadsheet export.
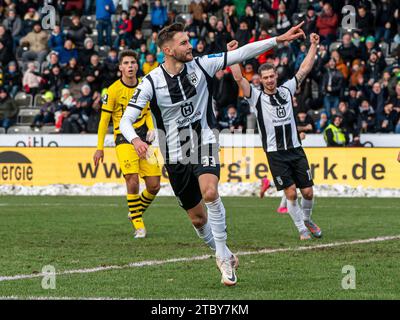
167	33
265	67
127	53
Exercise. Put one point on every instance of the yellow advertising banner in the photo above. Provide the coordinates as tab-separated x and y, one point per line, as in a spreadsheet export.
367	167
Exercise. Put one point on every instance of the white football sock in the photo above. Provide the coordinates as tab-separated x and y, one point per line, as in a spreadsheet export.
307	206
296	214
283	202
205	233
216	218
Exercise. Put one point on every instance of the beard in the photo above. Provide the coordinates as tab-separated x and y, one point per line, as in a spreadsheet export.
183	57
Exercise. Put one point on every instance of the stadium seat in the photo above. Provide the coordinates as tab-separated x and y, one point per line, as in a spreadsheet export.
385	48
38	101
393	47
48	129
103	51
19	129
23	100
89	21
26	116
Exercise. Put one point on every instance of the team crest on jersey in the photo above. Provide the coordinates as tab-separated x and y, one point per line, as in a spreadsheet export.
280	111
187	109
279	180
192	77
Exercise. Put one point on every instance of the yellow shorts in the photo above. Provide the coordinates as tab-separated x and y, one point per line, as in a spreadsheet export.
130	163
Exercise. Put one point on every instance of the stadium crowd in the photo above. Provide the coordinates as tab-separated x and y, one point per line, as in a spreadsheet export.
354	87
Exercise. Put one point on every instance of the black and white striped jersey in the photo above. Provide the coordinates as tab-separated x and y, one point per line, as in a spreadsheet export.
183	101
275	117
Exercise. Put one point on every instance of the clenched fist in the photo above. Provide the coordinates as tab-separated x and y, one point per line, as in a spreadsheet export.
314	38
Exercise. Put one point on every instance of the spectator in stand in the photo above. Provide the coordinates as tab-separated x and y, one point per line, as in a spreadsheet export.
201	49
123	28
347	50
377	97
70	70
349	123
310	21
231	120
366	117
357	70
283	23
152	43
321	123
158	16
6	54
225	91
46	115
387	119
31	18
52	60
243	34
111	70
85	103
36	40
5	37
197	8
373	69
56	40
77	82
262	58
138	40
137	17
55	81
13	23
222	37
31	80
67	53
334	135
94	73
384	19
353	100
365	21
104	10
332	82
8	110
340	65
150	64
12	79
327	24
78	32
88	51
304	123
250	17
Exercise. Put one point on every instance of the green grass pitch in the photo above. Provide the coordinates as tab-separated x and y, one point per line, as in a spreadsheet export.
78	233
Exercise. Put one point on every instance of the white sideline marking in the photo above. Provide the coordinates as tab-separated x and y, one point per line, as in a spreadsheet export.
198	258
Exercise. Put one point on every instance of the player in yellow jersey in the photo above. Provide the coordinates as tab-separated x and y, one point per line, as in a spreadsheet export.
113	107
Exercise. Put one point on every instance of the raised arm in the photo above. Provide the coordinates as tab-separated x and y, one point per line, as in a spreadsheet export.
254	49
308	62
237	72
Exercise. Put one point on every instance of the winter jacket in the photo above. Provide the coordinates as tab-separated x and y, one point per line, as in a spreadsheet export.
37	40
101	12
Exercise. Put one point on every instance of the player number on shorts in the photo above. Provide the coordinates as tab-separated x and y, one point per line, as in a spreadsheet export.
208	161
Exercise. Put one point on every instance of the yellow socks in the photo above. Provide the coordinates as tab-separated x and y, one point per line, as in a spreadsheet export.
137	206
135	211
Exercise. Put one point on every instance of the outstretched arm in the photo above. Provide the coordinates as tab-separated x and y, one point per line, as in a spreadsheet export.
308	62
254	49
237	72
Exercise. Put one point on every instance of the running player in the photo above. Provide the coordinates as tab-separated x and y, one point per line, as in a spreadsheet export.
276	120
114	105
180	95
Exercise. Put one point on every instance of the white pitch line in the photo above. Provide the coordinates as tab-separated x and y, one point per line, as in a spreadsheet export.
197	258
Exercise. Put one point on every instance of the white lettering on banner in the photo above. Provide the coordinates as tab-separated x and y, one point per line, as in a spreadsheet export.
225	140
